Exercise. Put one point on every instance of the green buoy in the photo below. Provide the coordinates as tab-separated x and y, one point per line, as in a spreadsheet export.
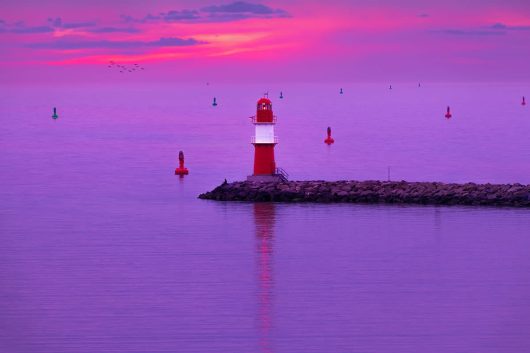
55	116
214	102
281	95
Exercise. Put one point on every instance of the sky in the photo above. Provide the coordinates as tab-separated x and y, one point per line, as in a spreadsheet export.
245	41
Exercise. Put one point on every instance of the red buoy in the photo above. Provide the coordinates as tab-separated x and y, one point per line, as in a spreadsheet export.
181	170
329	140
448	114
523	102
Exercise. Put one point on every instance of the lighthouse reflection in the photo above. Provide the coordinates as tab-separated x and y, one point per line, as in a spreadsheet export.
264	219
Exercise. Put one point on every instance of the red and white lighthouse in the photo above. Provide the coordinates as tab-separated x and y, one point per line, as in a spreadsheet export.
264	141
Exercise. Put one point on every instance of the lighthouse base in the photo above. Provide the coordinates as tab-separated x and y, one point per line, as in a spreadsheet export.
266	178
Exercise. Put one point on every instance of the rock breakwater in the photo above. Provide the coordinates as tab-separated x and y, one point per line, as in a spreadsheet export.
514	195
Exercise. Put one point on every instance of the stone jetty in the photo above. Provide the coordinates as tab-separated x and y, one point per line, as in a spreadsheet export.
394	192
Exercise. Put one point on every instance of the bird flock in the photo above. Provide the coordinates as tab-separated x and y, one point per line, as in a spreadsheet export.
125	68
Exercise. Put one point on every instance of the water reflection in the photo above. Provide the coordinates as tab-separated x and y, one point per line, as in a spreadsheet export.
264	218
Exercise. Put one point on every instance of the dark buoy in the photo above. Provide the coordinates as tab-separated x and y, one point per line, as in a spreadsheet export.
523	102
329	140
214	102
390	87
341	91
281	95
419	85
55	116
181	170
448	113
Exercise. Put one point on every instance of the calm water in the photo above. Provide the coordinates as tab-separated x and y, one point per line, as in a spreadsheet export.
104	250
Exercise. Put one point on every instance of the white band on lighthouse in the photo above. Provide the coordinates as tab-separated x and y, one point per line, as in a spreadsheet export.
264	133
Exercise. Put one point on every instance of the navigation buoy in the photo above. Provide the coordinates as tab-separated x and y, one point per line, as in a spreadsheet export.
329	140
214	102
341	91
523	102
281	95
181	170
55	116
448	113
390	87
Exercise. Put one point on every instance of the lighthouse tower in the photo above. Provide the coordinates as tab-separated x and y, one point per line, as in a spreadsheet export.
264	142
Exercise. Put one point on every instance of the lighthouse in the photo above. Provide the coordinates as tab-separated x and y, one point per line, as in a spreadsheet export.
264	142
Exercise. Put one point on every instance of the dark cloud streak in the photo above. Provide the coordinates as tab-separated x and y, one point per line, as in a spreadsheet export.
497	29
114	30
172	16
235	11
241	7
502	26
70	44
22	29
53	24
468	32
58	23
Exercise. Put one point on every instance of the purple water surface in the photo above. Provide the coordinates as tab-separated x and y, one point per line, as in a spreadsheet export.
105	250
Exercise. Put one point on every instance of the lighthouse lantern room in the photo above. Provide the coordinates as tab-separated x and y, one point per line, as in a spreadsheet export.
264	141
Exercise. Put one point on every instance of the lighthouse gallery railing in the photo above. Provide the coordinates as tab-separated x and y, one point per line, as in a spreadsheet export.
254	121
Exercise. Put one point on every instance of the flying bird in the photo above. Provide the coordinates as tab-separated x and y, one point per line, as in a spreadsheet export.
125	68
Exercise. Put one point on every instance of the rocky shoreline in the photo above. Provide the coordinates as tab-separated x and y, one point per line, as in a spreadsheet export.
402	192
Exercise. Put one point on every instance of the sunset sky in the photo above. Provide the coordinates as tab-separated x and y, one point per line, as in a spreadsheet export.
290	40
